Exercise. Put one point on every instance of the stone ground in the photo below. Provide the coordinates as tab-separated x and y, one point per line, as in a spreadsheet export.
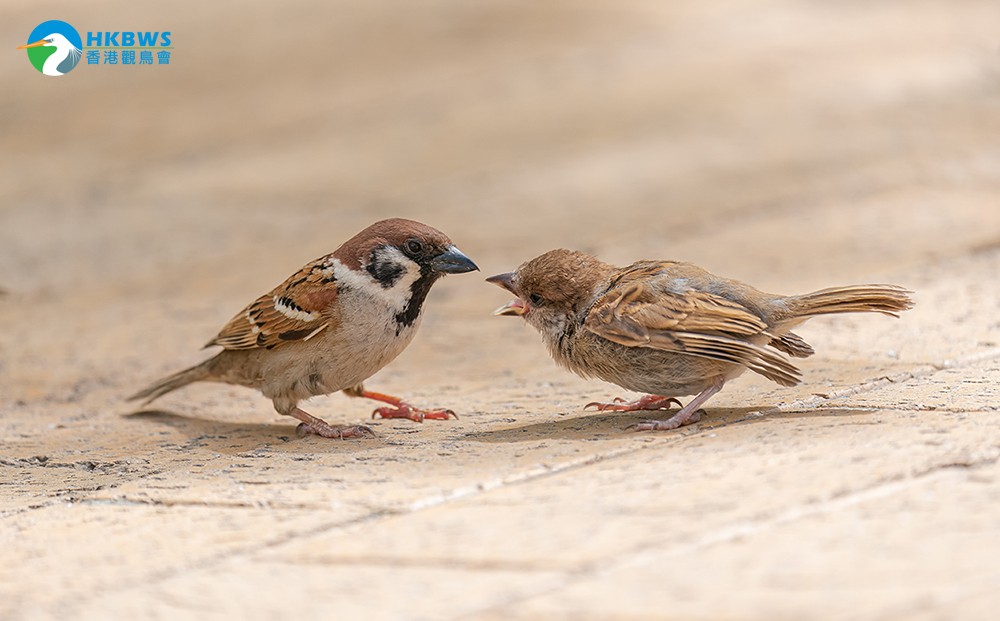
794	145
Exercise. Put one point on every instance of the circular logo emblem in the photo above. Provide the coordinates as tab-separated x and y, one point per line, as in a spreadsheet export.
54	47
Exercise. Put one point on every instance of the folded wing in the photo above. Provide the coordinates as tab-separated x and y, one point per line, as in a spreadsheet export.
296	310
647	313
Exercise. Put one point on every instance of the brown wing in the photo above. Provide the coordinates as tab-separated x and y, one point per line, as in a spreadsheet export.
645	313
296	310
633	311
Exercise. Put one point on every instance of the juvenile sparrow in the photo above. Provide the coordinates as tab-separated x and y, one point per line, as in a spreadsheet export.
332	325
670	329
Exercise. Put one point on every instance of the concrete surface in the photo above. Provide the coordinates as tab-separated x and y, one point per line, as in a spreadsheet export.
794	145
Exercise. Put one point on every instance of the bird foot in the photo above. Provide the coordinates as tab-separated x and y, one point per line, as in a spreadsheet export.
311	425
687	415
402	409
405	410
671	423
647	402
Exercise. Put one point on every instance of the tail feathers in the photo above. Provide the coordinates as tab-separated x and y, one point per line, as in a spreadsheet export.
173	382
886	299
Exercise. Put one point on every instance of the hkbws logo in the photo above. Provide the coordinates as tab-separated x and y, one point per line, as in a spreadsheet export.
55	48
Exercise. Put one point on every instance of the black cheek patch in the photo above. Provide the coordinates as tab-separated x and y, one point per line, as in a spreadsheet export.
386	273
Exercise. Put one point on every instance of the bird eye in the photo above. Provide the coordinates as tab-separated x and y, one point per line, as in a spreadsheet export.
536	299
413	246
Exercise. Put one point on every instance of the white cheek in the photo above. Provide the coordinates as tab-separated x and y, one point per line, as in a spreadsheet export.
395	297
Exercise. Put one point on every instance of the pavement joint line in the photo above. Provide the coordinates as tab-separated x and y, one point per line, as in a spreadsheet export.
214	560
586	569
473	490
745	528
870	385
153	502
373	516
916	407
735	531
810	403
803	511
538	472
427	563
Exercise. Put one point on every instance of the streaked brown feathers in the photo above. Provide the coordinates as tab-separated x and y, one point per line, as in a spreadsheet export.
295	310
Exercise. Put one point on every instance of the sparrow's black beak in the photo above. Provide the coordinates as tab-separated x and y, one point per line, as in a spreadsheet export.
452	261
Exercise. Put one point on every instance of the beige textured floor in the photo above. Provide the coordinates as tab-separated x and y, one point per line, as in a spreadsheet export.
795	145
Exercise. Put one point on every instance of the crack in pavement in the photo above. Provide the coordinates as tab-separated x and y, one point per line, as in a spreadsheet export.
153	502
542	471
650	551
816	399
428	563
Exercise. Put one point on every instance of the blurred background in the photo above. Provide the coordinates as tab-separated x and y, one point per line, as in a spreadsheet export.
794	144
622	127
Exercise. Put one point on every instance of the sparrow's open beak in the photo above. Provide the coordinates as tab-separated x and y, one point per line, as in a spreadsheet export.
35	44
515	306
452	261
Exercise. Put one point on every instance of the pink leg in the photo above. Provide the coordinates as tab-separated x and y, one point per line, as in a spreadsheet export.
648	402
688	414
402	409
312	425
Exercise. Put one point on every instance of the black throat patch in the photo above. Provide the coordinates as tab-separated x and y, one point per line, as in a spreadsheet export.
418	293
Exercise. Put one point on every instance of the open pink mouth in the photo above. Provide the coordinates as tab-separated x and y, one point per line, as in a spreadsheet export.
514	307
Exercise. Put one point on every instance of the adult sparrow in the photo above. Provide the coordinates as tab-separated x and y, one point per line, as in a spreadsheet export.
332	325
668	328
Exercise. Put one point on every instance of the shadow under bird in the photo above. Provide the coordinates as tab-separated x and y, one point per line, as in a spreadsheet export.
671	329
333	324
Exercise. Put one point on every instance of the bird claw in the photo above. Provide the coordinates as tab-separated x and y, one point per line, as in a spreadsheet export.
398	408
603	406
412	413
317	426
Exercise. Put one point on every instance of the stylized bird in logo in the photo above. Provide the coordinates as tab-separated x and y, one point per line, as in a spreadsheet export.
63	59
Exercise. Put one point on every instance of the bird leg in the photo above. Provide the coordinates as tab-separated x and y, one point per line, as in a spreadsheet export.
648	402
402	409
687	415
312	425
